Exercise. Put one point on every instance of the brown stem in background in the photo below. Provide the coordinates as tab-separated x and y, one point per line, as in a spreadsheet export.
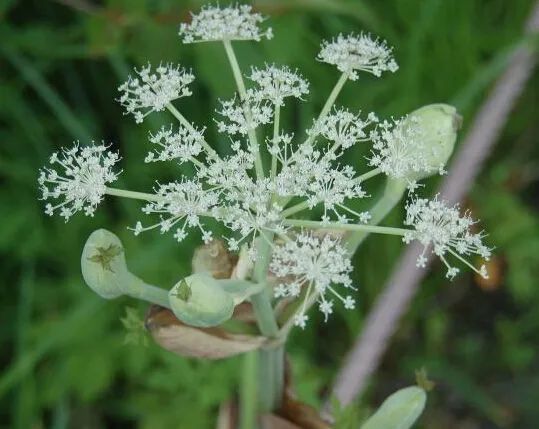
393	301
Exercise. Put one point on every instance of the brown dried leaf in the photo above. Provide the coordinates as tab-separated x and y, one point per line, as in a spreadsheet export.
185	340
302	415
215	259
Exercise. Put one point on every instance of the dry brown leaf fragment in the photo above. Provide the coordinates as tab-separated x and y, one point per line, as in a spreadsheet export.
189	341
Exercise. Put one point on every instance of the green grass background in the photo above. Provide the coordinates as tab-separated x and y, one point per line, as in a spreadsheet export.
63	362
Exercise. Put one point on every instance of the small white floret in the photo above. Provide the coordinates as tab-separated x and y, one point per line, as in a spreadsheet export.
182	144
150	91
353	53
315	265
78	177
276	83
214	23
447	231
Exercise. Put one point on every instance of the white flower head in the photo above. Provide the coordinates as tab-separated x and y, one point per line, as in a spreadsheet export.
314	175
447	231
401	150
235	22
151	91
181	206
343	128
277	83
241	120
79	180
352	53
182	145
314	264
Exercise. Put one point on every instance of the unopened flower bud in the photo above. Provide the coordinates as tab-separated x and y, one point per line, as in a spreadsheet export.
438	125
416	146
103	264
399	410
105	271
200	300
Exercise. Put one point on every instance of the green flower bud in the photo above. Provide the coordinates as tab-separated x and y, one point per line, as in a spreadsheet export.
438	125
103	265
105	271
200	300
399	411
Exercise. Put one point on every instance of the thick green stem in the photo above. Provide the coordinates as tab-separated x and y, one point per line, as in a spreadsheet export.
393	192
248	391
271	360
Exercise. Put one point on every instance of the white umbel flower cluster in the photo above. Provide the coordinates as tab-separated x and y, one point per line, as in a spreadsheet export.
447	231
343	128
239	119
313	265
181	145
352	53
213	23
181	205
79	180
152	91
260	187
276	83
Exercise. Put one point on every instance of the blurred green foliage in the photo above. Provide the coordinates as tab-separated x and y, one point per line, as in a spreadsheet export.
65	363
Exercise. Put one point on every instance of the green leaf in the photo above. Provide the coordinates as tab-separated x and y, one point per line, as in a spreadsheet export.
136	332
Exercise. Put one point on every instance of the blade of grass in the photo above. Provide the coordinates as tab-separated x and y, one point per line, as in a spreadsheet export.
47	93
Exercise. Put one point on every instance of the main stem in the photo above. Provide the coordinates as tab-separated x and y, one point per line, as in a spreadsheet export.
271	360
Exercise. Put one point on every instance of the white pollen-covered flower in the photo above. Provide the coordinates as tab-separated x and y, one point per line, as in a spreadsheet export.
447	231
79	178
182	145
181	205
276	83
343	128
351	53
314	264
214	23
151	91
239	120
